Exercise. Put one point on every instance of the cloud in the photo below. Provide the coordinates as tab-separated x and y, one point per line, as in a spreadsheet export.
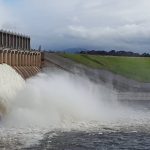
96	24
126	37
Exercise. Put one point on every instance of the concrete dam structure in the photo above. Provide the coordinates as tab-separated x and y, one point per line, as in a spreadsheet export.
15	51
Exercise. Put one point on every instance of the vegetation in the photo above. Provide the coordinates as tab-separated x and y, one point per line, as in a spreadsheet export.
137	68
115	53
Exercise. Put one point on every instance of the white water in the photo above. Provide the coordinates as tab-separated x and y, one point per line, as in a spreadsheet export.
55	100
59	100
10	84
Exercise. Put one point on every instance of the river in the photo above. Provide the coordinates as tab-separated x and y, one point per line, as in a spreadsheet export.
57	110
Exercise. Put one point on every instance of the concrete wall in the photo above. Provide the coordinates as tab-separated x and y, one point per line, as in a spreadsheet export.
14	40
26	63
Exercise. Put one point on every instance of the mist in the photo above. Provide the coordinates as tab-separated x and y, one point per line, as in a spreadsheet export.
57	99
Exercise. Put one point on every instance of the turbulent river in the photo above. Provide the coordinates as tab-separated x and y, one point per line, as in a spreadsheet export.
57	110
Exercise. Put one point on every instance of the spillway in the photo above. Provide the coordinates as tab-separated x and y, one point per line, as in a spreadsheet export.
16	52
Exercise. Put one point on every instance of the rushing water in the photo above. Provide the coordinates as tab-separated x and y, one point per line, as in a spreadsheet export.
64	111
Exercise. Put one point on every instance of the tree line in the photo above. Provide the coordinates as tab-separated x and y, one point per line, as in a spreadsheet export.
115	53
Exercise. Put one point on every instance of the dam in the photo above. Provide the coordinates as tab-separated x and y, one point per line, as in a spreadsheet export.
36	110
15	50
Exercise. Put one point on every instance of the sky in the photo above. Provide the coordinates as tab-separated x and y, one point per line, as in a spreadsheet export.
90	24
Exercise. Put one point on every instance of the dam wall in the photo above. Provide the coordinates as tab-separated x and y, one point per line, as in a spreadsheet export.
15	50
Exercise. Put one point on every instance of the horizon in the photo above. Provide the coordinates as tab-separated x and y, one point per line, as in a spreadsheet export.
87	24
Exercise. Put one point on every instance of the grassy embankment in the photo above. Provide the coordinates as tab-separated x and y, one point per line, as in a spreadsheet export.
137	68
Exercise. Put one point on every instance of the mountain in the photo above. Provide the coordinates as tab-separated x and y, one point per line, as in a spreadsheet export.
74	50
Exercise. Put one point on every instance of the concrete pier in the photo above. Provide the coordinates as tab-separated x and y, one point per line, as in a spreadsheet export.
26	63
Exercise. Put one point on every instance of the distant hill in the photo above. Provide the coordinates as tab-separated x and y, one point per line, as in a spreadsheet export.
101	52
74	50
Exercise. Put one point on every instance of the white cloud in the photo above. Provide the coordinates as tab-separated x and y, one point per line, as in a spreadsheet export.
100	24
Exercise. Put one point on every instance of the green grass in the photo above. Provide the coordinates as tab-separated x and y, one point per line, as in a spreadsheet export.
137	68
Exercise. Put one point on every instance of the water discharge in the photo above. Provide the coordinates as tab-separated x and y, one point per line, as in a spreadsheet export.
58	100
53	99
10	84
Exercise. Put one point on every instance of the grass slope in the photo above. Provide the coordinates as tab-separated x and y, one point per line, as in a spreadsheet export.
137	68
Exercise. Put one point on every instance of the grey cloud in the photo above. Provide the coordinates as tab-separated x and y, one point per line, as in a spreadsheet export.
95	24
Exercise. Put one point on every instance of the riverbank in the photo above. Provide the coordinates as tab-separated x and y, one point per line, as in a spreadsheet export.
123	85
102	71
136	68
